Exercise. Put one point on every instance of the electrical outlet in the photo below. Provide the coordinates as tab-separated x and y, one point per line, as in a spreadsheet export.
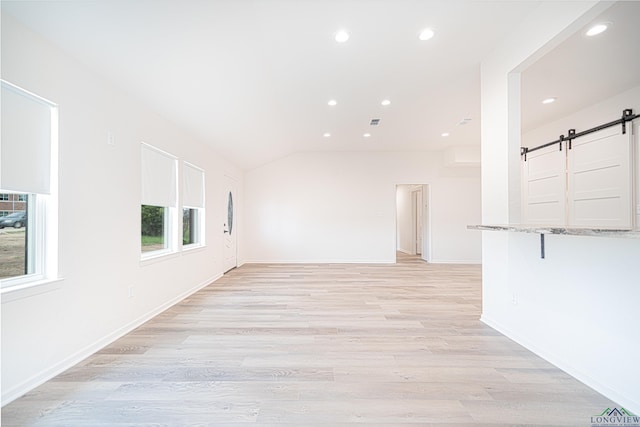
111	140
514	299
130	291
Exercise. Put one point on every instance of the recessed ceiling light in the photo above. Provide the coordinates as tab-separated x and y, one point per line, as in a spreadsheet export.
445	134
332	102
385	102
597	29
367	135
326	135
342	36
549	100
426	34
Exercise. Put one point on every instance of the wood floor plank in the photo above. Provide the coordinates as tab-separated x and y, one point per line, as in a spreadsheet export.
316	344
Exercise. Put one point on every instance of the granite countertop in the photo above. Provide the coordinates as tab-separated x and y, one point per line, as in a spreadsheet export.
556	229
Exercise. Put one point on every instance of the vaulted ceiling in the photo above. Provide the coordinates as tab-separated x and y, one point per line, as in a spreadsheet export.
254	77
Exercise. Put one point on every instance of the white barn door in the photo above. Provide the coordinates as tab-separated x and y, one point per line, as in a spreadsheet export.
599	179
544	186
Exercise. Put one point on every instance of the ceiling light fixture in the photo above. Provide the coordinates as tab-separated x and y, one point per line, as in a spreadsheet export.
385	102
342	36
549	100
332	102
445	134
326	135
597	29
426	34
367	135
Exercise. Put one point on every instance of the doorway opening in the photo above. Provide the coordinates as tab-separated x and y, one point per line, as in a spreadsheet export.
413	234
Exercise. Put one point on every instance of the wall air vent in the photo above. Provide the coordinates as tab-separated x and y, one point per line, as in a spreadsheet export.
374	122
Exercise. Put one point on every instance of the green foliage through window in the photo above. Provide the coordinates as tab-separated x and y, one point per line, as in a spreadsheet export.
153	226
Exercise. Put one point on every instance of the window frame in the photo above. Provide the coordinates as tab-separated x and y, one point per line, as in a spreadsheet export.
196	228
193	198
37	242
171	225
166	234
42	220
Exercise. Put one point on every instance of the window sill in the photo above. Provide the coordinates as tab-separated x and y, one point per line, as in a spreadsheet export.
152	258
193	248
30	289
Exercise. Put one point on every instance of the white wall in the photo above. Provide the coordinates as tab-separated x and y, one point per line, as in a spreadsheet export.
341	207
99	225
604	111
577	307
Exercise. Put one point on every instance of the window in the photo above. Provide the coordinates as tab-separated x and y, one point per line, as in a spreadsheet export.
190	233
153	222
28	170
192	205
17	258
158	204
4	213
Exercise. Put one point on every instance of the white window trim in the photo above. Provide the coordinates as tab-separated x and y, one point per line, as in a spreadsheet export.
170	231
43	254
45	222
199	230
200	220
30	289
172	221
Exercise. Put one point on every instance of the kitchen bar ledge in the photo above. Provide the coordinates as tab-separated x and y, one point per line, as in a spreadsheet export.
567	231
557	229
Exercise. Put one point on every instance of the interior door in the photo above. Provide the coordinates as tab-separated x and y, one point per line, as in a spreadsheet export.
544	186
416	205
599	183
426	230
230	229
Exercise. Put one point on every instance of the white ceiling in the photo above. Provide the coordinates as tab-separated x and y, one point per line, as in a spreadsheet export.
253	77
584	70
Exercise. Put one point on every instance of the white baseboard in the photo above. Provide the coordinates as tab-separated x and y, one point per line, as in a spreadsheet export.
322	261
347	261
40	378
625	401
455	261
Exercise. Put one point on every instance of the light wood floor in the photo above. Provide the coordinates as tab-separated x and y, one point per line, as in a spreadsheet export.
394	345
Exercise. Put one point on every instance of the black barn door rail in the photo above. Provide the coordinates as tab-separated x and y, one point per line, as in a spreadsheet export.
627	116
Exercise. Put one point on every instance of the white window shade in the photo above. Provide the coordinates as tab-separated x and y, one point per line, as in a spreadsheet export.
25	148
158	177
193	186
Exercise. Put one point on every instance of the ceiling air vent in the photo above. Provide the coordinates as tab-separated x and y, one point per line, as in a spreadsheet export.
374	122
